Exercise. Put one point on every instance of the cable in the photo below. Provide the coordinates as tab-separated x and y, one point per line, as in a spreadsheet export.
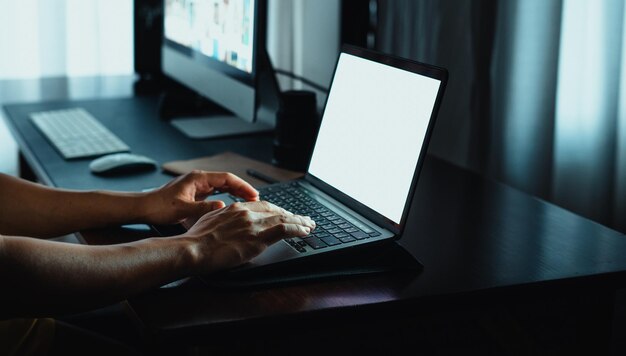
302	79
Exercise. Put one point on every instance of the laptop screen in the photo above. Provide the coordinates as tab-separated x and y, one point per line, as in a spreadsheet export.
372	131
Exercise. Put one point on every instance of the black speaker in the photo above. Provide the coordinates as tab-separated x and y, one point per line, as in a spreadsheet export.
297	123
148	34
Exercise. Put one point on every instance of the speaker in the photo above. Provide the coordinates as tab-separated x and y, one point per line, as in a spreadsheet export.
297	123
148	34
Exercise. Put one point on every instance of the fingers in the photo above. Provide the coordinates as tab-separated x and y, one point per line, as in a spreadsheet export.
274	223
226	182
260	207
282	226
271	222
292	219
282	231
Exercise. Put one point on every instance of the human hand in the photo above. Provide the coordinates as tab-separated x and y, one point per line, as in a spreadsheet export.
231	236
182	200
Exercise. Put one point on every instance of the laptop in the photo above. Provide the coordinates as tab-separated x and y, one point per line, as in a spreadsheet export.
370	147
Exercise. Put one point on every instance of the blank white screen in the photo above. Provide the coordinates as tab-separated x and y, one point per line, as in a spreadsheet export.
373	128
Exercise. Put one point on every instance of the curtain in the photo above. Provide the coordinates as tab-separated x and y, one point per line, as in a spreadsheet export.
43	38
303	38
537	92
50	38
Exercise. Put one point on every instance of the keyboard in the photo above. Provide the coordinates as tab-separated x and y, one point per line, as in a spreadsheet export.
331	229
75	133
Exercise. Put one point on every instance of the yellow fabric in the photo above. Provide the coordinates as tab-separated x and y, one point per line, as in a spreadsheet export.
26	336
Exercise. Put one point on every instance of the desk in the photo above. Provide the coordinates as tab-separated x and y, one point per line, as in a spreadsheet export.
483	245
135	121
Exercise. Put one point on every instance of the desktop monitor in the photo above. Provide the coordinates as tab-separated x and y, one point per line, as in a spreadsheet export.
217	49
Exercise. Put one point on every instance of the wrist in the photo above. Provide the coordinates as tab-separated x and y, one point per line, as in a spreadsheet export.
190	253
142	207
181	254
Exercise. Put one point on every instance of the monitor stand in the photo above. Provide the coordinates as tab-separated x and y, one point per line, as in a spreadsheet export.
218	126
204	119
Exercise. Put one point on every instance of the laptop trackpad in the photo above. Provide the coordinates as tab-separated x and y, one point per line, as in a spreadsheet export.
279	251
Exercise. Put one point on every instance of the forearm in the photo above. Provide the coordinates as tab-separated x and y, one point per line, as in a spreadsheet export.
33	210
41	277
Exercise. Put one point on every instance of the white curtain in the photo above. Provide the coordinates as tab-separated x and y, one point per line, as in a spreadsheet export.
555	89
303	38
589	157
43	38
50	38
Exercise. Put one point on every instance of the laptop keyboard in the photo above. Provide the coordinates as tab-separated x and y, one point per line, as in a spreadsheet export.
331	228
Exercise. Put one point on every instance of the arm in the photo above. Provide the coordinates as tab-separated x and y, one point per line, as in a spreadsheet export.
45	278
30	209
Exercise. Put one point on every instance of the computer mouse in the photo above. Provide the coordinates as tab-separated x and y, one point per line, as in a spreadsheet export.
120	163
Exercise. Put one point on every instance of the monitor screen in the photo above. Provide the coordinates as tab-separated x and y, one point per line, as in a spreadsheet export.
372	133
218	29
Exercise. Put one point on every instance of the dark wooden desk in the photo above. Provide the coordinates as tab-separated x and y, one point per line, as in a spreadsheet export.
487	249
